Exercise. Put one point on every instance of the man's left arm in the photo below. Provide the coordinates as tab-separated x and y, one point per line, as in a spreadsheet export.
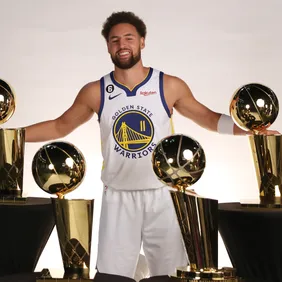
181	98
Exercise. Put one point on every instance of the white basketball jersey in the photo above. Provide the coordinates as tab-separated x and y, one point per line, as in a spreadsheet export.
132	122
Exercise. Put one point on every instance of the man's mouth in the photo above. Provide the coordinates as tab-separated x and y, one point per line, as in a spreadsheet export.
123	54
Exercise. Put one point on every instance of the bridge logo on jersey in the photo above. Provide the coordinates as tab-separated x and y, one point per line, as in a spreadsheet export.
133	132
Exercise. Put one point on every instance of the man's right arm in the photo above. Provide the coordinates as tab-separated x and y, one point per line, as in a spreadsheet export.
85	105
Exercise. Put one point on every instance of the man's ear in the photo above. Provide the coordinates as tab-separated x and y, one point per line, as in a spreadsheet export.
142	45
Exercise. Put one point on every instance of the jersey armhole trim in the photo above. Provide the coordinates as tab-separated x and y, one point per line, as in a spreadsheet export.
162	94
102	93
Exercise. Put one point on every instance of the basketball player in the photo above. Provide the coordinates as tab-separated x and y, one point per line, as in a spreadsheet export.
134	105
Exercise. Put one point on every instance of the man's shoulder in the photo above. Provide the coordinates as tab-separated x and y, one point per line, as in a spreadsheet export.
89	95
90	88
95	85
172	80
92	84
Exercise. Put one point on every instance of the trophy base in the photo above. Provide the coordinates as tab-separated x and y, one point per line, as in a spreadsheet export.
11	200
63	279
188	274
181	279
11	196
45	275
275	202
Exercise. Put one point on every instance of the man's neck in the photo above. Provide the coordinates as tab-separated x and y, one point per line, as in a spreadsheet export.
131	77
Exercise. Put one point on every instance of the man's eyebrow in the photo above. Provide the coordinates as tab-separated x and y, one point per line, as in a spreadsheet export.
115	36
129	34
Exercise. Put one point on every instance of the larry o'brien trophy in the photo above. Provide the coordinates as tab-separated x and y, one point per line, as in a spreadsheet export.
12	143
58	168
254	107
179	161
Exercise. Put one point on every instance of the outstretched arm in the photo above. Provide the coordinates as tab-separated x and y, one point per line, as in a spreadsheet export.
85	105
181	98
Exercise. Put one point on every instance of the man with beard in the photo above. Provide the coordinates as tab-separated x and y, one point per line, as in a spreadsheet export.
134	104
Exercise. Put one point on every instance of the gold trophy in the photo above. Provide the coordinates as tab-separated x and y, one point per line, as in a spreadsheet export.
58	168
179	162
12	143
254	107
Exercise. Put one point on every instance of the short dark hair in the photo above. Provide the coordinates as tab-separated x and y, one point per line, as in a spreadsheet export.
123	17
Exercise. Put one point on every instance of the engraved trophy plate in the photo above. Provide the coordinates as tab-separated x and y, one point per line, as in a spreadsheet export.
254	107
12	143
58	168
179	162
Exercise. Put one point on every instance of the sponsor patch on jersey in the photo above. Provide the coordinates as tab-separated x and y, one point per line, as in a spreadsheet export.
147	93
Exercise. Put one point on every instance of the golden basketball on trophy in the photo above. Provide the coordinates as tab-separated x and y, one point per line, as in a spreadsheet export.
254	107
7	101
58	168
179	162
12	143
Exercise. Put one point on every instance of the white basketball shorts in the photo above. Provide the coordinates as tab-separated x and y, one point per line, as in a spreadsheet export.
130	218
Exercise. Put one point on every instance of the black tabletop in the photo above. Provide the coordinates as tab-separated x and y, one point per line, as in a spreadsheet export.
253	239
29	201
99	277
25	230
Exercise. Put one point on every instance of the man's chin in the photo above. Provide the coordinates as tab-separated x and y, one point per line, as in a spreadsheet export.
125	64
124	67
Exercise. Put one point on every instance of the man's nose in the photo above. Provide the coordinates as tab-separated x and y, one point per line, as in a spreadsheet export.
122	43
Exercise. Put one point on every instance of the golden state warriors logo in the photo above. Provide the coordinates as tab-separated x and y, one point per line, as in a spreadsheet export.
133	131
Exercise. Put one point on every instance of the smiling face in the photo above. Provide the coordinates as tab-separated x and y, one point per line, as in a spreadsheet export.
125	45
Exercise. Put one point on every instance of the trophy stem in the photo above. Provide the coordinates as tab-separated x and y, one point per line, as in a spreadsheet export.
267	157
197	218
74	226
12	143
198	221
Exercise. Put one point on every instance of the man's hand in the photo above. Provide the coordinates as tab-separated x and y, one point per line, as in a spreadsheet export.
269	132
239	131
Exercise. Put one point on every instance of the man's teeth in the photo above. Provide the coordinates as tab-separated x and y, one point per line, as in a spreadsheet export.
124	53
